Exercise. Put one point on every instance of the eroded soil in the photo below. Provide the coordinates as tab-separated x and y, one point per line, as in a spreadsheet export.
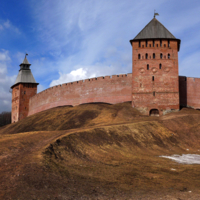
99	152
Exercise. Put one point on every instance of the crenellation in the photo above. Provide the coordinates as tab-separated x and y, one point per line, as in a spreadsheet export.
153	85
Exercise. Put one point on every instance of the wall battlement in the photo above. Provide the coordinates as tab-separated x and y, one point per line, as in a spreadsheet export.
107	89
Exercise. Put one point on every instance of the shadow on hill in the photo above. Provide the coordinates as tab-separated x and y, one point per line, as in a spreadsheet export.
64	118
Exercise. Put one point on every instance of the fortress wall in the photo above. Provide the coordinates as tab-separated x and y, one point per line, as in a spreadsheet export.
108	89
193	94
189	92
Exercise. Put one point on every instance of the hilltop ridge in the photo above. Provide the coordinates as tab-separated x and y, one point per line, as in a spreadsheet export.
99	151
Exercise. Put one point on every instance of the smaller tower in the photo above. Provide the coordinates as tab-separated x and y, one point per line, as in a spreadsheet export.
24	88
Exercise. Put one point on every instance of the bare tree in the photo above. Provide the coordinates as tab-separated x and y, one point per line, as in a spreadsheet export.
5	118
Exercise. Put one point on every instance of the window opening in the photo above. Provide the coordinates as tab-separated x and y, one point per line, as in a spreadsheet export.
164	45
154	94
168	56
160	66
161	56
168	43
146	55
161	43
150	45
24	92
146	43
153	43
147	66
139	44
139	56
154	56
157	45
142	46
152	78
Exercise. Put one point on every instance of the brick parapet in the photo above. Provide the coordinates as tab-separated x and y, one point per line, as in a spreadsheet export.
109	89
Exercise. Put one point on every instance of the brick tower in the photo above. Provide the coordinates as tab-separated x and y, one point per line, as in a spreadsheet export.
24	88
155	79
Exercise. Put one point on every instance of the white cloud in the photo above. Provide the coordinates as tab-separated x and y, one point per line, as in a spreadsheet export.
5	82
7	25
74	75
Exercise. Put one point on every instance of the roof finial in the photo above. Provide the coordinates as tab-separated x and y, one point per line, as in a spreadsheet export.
26	55
155	14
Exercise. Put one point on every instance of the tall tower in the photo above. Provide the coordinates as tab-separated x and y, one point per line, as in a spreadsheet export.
24	88
155	79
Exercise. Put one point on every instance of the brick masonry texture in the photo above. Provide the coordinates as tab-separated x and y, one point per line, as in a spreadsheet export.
155	80
189	92
114	89
21	95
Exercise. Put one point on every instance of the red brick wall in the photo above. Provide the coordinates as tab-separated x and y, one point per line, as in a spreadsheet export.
189	92
115	89
163	92
21	94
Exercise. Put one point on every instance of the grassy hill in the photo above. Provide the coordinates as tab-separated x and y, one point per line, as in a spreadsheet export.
99	151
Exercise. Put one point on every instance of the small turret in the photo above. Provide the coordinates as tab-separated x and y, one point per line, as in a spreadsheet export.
23	89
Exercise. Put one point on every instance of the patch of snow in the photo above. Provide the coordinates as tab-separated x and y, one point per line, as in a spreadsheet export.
173	169
185	158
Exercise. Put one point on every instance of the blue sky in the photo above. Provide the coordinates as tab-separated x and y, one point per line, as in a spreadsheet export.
72	40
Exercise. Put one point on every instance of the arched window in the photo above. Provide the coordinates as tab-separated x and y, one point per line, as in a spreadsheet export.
168	56
154	112
147	66
161	56
146	55
154	56
139	56
160	66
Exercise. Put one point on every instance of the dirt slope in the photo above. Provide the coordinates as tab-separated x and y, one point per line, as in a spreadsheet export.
99	151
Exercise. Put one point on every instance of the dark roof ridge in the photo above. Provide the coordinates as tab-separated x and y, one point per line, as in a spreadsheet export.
154	29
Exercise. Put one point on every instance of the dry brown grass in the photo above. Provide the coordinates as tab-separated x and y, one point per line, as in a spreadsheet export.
99	151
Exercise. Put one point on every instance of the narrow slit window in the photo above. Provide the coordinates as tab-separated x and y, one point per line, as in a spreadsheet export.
139	44
152	78
161	43
164	45
147	66
154	94
161	56
168	56
160	66
157	45
139	56
146	55
153	43
146	43
168	43
142	46
150	45
154	56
